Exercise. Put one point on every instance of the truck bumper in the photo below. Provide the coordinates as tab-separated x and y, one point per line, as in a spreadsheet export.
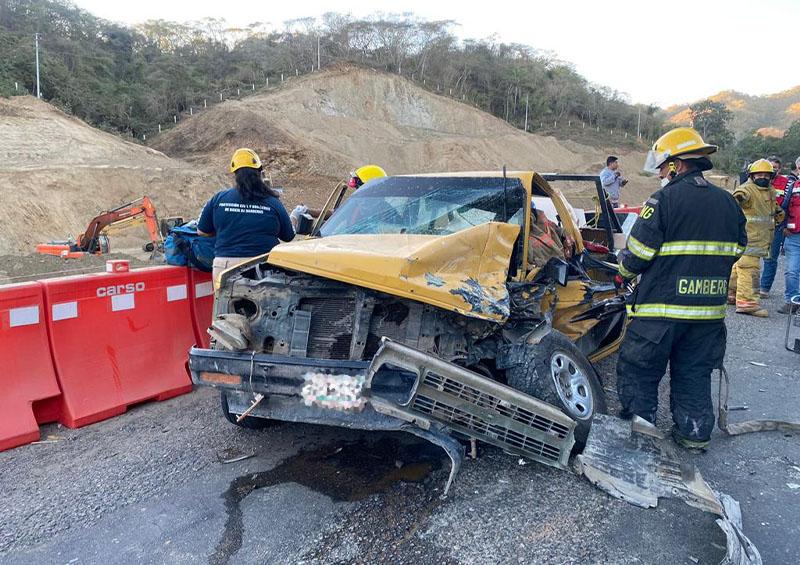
401	388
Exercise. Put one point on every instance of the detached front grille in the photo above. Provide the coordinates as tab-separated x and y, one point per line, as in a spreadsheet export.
332	321
503	407
481	408
474	425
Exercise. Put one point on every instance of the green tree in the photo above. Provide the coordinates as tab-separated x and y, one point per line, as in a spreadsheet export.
711	119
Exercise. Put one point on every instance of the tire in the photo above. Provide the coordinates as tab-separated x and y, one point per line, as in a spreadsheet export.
554	358
250	422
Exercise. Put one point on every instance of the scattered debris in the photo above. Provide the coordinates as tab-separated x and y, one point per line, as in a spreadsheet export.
633	461
233	455
256	401
749	426
793	486
757	363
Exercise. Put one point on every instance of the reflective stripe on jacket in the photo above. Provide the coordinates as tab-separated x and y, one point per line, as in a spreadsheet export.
684	243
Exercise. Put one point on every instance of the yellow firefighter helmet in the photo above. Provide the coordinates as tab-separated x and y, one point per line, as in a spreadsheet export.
364	174
244	158
683	142
761	166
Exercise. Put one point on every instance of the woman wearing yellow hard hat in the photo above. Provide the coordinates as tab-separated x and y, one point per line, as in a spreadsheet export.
248	220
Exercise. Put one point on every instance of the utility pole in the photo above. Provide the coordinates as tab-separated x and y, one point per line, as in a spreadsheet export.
38	88
526	111
319	65
639	123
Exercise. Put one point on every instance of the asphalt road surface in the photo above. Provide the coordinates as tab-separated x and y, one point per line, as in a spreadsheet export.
155	485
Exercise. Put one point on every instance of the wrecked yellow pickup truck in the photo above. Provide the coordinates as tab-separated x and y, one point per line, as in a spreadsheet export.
414	307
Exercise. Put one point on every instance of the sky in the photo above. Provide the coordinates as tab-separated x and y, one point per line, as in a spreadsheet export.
655	52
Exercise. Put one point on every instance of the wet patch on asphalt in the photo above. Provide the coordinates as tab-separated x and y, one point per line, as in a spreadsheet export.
345	472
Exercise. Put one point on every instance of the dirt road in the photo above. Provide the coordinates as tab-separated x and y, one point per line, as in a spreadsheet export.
152	486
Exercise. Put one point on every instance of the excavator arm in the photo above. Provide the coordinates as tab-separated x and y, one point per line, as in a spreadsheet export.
141	210
89	241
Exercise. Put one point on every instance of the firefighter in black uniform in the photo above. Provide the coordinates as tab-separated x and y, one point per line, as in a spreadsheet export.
684	244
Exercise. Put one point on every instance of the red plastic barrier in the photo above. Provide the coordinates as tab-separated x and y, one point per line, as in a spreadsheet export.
118	339
26	369
201	290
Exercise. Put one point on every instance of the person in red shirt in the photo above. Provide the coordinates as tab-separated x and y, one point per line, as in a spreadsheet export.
791	246
779	183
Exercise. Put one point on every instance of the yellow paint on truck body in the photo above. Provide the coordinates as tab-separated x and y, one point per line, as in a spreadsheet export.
464	272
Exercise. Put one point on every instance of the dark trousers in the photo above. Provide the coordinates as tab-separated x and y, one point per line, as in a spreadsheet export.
771	262
693	351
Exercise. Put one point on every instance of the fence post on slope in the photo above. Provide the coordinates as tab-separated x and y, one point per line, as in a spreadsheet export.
281	77
254	86
220	97
144	137
238	92
191	111
296	73
267	82
205	103
175	118
159	128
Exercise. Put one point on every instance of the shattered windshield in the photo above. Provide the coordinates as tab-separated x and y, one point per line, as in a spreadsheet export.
428	206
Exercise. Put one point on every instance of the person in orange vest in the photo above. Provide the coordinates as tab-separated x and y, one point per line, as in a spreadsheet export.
779	184
762	212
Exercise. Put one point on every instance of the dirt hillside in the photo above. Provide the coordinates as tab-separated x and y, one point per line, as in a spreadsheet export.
56	173
315	129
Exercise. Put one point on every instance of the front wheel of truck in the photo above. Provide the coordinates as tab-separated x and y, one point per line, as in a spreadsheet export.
557	372
249	422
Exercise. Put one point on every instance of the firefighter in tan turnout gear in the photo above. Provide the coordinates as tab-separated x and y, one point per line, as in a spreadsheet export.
684	244
763	213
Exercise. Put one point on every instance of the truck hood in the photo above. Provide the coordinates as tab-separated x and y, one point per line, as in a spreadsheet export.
465	272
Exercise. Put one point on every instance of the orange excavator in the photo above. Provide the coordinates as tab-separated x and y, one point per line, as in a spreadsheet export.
94	241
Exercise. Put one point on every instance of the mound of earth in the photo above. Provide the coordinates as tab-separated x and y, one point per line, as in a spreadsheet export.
56	173
313	130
